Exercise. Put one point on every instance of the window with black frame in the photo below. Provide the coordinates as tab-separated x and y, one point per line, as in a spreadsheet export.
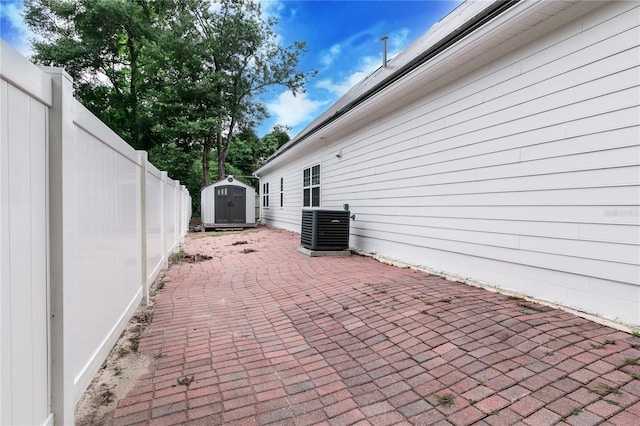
281	192
265	194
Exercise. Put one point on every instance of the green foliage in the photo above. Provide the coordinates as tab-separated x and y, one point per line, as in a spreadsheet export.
180	164
248	152
209	77
271	142
178	78
101	44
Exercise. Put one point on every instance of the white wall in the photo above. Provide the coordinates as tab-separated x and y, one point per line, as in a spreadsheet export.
86	225
519	169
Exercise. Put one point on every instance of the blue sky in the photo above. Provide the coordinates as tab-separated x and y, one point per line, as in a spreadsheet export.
343	40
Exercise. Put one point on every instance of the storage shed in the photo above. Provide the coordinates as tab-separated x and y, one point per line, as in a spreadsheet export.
228	203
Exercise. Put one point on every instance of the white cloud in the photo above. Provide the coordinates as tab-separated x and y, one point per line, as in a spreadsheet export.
292	110
329	56
12	12
398	40
339	85
367	65
271	8
14	30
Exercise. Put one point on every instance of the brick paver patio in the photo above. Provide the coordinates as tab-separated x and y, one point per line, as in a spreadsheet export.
262	334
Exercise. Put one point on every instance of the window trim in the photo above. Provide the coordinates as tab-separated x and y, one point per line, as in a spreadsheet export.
281	192
265	195
311	185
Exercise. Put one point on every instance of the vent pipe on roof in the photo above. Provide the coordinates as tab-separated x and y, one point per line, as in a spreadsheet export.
384	51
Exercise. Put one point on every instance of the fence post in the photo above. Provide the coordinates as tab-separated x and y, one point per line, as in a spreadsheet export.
25	364
60	131
163	221
176	220
142	159
184	220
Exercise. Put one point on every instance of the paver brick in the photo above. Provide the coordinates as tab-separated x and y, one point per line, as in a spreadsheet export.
131	419
503	417
303	341
583	418
376	408
340	407
415	408
526	406
492	404
465	417
543	416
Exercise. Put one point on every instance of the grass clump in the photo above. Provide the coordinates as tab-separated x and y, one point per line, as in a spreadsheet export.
176	258
447	399
603	389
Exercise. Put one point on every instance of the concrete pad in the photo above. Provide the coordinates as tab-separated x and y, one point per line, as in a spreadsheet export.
324	253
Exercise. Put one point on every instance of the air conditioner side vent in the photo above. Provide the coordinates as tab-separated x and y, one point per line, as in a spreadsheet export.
325	230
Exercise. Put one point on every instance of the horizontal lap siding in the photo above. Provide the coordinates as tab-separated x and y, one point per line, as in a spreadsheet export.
539	170
523	173
289	216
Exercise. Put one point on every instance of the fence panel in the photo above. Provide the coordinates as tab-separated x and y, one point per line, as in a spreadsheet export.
171	215
102	207
86	223
24	365
155	188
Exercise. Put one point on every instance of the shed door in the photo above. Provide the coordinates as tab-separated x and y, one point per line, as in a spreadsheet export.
231	204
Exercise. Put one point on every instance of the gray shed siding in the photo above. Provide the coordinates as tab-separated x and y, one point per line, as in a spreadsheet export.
523	172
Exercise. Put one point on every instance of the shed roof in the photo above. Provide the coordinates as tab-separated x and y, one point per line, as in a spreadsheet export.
225	181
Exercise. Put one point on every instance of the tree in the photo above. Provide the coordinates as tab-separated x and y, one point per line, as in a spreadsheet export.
248	151
214	67
162	71
101	44
241	159
180	165
186	100
253	62
270	143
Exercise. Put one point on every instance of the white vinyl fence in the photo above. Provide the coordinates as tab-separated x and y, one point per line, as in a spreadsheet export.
86	224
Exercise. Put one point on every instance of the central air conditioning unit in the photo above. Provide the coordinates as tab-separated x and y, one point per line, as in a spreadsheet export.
325	230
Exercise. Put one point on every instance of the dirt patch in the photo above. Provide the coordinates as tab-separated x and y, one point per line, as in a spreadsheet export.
194	258
182	257
119	372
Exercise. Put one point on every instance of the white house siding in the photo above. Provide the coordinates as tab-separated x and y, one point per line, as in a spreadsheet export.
288	216
522	171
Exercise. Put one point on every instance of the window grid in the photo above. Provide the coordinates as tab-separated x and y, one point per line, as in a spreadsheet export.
281	192
265	194
311	186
